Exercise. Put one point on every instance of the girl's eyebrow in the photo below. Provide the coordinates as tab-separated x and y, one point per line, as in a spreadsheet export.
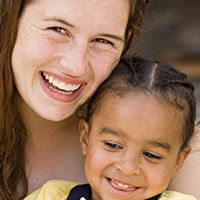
107	130
156	143
160	144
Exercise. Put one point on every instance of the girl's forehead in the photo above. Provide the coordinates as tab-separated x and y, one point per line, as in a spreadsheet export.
140	104
139	117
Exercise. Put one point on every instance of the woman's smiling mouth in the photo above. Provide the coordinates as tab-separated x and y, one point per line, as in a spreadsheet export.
60	85
59	89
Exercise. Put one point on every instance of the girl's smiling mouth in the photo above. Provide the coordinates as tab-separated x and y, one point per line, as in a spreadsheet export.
121	188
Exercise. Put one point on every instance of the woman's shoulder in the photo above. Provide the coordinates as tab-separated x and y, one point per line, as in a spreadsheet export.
52	190
173	195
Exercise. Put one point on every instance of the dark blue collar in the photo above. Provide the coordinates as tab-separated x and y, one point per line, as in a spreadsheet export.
80	191
85	191
155	197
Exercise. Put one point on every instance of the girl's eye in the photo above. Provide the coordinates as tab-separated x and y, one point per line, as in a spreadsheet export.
151	156
103	41
112	146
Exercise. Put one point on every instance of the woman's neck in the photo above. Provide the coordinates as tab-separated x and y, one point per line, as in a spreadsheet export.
52	150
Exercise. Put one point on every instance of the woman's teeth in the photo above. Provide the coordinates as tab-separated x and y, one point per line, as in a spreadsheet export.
60	84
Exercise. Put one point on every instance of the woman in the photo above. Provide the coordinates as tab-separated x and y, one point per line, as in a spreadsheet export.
53	56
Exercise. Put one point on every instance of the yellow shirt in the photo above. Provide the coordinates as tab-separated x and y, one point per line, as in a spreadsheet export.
59	190
52	190
173	195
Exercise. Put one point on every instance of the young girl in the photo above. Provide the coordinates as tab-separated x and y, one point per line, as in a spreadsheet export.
135	135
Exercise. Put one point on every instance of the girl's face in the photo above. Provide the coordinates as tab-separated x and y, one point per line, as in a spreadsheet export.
132	147
64	50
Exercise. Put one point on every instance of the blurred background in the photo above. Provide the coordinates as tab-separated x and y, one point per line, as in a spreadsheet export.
172	34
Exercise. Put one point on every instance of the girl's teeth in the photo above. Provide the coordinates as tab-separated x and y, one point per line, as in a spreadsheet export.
122	185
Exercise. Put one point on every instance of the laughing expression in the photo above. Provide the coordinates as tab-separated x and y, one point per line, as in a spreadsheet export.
64	50
132	147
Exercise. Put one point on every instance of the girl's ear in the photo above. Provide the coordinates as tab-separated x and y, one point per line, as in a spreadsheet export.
84	135
181	158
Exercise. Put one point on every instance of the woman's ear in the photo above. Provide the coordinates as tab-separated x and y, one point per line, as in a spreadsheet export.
181	158
84	135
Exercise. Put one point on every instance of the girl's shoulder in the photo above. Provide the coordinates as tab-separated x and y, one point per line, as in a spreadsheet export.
52	190
173	195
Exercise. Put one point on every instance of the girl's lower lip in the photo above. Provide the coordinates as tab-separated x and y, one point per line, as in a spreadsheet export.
120	192
66	98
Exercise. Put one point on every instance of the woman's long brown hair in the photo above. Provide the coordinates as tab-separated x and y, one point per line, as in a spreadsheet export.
13	181
12	132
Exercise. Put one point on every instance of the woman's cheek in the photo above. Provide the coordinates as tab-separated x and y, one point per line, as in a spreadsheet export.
104	62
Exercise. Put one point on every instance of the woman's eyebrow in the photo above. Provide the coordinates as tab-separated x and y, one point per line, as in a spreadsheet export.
113	36
116	37
60	21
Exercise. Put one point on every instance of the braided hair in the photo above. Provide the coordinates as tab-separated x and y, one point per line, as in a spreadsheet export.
150	77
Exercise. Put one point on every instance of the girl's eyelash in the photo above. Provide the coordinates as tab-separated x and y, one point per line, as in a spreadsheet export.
112	146
152	156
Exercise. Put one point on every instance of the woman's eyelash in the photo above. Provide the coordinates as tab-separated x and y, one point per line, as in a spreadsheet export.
63	31
103	41
152	156
57	29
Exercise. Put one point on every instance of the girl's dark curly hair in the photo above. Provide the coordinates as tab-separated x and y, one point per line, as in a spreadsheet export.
151	78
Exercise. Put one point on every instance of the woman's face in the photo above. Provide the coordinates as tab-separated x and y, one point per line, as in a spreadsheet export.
64	50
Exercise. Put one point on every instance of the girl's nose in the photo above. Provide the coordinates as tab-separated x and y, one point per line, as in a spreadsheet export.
75	60
129	165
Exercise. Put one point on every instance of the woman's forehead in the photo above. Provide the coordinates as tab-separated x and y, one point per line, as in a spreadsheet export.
84	13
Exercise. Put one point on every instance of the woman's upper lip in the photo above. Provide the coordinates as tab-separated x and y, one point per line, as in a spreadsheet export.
64	78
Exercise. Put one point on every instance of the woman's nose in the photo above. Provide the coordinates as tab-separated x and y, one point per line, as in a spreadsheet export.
75	60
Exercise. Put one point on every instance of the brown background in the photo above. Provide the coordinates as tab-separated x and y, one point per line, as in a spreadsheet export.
172	34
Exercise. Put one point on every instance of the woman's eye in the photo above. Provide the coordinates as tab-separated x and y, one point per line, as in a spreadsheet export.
103	41
151	156
112	146
58	29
